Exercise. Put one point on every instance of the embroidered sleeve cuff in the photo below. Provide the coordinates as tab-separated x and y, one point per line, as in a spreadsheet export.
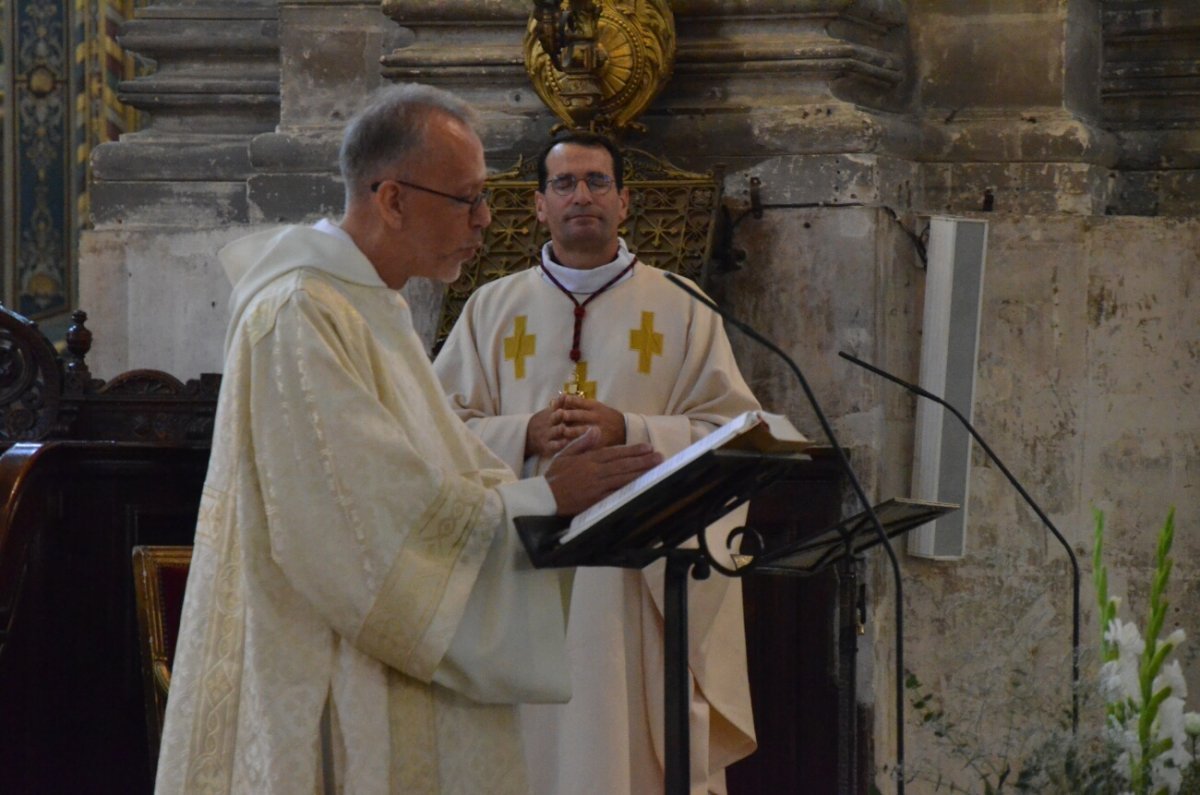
511	643
418	609
636	430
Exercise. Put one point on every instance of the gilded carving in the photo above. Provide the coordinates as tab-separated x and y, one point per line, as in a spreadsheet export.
599	63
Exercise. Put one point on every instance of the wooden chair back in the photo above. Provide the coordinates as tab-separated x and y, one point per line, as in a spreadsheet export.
89	469
159	578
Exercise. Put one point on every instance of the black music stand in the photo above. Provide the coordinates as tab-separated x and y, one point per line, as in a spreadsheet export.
650	526
848	538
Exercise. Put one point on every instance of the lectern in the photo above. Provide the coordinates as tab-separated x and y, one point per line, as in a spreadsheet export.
661	521
654	525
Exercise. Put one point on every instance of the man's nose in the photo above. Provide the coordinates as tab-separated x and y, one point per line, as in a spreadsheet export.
481	216
582	193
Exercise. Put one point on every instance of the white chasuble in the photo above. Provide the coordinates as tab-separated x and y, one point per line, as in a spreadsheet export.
651	351
359	615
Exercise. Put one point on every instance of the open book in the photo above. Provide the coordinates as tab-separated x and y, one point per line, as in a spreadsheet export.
756	431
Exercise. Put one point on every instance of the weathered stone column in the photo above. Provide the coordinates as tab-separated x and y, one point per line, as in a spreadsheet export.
215	85
474	50
329	52
752	81
165	198
1010	105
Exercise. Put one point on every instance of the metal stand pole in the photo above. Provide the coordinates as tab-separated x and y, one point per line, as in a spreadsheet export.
677	693
847	652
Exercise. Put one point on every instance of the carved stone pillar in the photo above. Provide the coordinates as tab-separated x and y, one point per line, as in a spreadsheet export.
165	199
474	50
329	53
1010	105
214	85
760	85
802	99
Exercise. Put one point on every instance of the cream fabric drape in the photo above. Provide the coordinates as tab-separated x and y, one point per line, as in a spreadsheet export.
359	614
507	357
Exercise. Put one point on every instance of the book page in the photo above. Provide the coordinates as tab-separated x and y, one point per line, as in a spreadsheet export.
751	430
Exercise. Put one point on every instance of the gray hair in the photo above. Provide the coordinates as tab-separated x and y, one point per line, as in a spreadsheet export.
392	128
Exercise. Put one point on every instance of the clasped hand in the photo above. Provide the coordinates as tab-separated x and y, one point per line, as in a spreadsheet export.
566	419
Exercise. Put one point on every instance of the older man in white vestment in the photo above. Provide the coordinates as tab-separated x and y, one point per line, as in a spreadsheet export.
359	617
591	337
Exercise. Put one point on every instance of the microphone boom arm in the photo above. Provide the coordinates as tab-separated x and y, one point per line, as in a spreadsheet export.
1075	577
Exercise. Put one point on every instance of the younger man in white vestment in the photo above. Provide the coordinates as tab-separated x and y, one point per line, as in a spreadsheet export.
648	364
359	617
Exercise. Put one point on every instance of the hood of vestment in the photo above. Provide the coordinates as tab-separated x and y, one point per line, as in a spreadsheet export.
254	261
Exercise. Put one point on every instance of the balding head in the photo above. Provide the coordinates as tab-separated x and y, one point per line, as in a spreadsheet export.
391	131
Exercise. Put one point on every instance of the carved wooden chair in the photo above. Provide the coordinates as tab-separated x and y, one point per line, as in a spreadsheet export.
673	224
159	577
88	470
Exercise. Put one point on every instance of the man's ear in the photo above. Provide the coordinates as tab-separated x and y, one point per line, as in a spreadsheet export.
539	204
388	203
624	203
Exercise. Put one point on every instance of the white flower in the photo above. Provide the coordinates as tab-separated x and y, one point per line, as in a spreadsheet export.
1166	769
1168	723
1111	688
1125	635
1171	675
1191	724
1129	647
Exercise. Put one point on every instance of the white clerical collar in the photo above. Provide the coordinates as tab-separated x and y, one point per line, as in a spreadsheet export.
579	280
330	228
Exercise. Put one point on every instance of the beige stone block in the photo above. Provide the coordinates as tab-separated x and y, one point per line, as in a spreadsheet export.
330	56
990	60
104	295
1143	327
156	300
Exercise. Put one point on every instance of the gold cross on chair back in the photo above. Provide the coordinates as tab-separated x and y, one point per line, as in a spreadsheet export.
671	225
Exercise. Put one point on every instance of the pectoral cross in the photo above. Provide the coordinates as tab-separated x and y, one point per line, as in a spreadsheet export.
577	383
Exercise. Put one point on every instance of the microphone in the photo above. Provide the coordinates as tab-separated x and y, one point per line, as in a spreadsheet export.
1028	500
858	490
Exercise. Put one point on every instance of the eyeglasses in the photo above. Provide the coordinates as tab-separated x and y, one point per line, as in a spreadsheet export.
564	184
473	203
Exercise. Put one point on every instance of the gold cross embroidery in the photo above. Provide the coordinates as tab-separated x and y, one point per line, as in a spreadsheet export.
579	385
646	341
518	346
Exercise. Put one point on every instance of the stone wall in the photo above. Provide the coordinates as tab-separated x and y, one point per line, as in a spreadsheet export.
1087	391
1072	128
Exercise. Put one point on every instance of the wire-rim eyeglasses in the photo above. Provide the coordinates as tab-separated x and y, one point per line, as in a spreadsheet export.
565	184
473	203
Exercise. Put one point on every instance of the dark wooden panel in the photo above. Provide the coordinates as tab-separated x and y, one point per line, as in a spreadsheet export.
73	718
790	645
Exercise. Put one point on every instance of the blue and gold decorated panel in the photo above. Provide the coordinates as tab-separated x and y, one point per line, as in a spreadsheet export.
39	282
59	68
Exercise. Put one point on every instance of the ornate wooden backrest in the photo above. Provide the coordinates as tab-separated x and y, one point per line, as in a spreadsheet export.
88	470
47	396
30	381
671	225
159	575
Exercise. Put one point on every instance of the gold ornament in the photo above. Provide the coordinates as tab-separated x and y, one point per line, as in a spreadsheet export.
597	64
